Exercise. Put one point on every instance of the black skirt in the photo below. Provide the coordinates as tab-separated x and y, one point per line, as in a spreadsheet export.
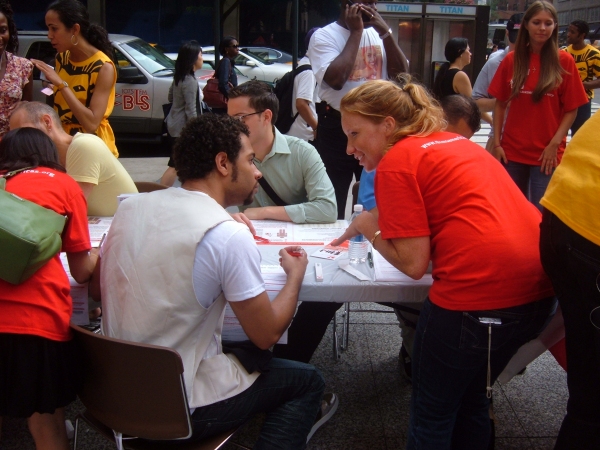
36	374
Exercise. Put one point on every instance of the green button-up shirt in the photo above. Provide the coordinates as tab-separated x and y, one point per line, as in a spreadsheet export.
297	174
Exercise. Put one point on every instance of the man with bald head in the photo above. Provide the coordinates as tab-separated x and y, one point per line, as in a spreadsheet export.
85	156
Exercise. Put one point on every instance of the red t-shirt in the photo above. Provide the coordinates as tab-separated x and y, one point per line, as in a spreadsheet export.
484	233
529	126
42	305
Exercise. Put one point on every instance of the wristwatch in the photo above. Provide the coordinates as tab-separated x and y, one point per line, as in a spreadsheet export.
61	86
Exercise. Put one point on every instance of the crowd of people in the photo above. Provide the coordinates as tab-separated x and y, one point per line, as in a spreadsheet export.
174	259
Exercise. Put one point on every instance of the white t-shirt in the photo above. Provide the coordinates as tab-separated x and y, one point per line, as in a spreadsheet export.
227	259
304	87
328	42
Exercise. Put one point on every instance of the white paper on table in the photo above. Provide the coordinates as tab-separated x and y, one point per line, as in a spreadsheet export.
344	264
79	294
275	279
330	252
287	233
98	226
122	197
384	271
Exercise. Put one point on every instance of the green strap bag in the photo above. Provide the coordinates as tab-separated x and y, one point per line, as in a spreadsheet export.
30	235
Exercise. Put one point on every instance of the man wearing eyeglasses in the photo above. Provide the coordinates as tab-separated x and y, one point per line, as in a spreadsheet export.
295	172
297	187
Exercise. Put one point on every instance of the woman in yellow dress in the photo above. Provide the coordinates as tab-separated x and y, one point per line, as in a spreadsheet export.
85	76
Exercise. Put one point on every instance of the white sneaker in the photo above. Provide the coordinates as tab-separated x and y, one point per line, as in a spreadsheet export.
329	406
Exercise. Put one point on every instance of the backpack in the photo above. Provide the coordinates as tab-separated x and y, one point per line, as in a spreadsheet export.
284	90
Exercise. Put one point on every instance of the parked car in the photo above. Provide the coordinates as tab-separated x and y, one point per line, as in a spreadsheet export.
270	55
208	70
252	67
144	75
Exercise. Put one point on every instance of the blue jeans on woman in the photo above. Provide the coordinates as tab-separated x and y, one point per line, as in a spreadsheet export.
573	264
289	392
449	406
530	181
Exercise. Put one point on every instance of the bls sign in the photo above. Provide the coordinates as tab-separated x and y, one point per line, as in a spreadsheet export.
132	98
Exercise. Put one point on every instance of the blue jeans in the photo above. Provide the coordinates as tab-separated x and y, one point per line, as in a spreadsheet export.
290	393
573	264
530	181
584	112
449	406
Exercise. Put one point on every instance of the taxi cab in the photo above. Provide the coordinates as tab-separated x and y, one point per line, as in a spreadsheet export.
144	75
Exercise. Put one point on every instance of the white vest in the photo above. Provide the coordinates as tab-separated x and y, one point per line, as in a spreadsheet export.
148	294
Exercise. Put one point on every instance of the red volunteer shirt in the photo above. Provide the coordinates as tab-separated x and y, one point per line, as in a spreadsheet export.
484	233
529	126
42	305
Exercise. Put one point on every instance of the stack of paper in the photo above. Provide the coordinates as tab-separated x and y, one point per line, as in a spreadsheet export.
98	227
384	271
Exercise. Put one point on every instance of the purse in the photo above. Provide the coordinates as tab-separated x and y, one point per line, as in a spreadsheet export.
213	96
30	235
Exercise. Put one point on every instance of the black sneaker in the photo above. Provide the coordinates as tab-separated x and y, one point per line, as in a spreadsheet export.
405	363
329	406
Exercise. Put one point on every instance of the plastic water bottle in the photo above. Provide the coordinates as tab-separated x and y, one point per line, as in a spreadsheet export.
357	250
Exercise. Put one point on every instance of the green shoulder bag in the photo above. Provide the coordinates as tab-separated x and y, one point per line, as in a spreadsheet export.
30	235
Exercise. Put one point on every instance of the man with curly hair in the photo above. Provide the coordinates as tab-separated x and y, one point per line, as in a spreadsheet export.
172	261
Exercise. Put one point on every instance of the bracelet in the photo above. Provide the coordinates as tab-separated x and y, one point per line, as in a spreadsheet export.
497	146
383	36
377	233
61	86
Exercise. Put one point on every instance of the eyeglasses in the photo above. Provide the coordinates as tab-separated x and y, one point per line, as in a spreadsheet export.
234	46
242	117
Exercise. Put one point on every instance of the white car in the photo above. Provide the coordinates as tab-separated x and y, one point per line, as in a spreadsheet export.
144	75
208	70
252	66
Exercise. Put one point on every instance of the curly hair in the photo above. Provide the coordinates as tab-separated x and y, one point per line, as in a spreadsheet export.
582	27
71	12
410	104
226	42
260	94
28	147
458	107
13	40
201	139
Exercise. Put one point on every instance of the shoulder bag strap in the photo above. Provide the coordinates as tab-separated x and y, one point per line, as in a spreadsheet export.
7	175
270	192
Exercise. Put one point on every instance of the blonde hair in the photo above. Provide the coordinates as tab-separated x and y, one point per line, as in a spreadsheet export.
551	72
410	104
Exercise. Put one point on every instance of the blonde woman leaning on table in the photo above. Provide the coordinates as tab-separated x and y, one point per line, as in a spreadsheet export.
39	371
444	198
85	77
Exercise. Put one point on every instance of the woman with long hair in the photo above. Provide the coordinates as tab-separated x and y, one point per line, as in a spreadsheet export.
39	372
443	198
544	90
84	78
15	73
185	96
450	78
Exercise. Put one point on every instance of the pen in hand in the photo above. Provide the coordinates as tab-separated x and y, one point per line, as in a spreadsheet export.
102	240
